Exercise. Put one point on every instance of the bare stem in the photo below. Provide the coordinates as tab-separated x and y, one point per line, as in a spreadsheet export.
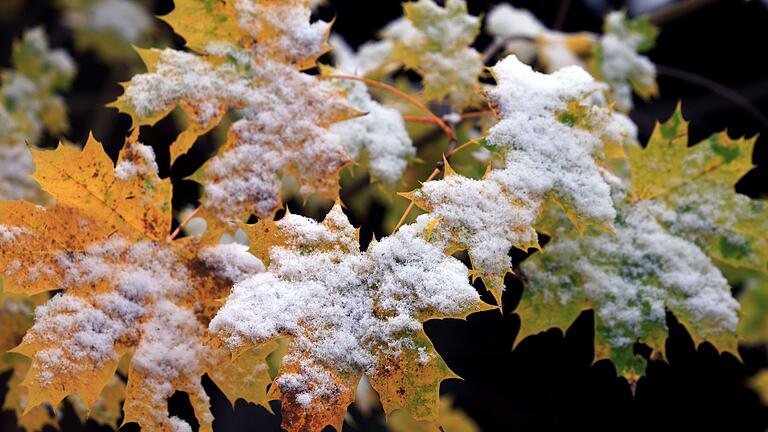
439	168
500	42
725	92
415	102
562	14
183	224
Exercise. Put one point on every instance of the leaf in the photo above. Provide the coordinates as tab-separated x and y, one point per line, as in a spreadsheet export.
629	279
753	325
543	131
697	185
452	420
30	105
759	384
617	61
436	42
201	21
246	376
249	58
125	285
348	313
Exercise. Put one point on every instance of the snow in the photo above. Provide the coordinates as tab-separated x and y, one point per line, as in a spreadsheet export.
283	29
210	89
507	21
287	130
170	352
9	234
370	56
126	169
83	329
544	156
481	215
123	18
381	133
344	308
632	277
436	42
622	67
231	261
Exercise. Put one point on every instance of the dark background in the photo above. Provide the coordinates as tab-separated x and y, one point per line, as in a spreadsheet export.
548	382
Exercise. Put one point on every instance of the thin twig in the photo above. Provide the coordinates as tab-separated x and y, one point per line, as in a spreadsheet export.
677	10
438	121
407	211
725	92
417	119
183	224
438	169
491	50
476	114
562	14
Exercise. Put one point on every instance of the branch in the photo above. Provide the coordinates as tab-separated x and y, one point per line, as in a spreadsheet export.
183	224
561	15
499	42
437	120
440	166
677	10
725	92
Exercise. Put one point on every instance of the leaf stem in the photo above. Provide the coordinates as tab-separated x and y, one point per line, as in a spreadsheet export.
440	167
415	102
183	224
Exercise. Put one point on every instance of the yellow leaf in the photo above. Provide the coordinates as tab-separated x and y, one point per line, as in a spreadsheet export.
348	313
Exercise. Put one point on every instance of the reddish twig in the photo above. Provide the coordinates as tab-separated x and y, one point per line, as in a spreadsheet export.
183	224
415	102
440	167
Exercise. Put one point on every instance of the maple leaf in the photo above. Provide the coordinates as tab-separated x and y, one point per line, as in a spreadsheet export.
629	279
348	313
552	146
753	325
107	28
249	57
435	41
617	62
696	184
29	106
613	57
126	287
451	419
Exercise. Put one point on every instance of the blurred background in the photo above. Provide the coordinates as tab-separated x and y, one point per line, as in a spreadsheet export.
710	55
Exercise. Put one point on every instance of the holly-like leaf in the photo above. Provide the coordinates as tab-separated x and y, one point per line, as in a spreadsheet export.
125	285
348	313
696	184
